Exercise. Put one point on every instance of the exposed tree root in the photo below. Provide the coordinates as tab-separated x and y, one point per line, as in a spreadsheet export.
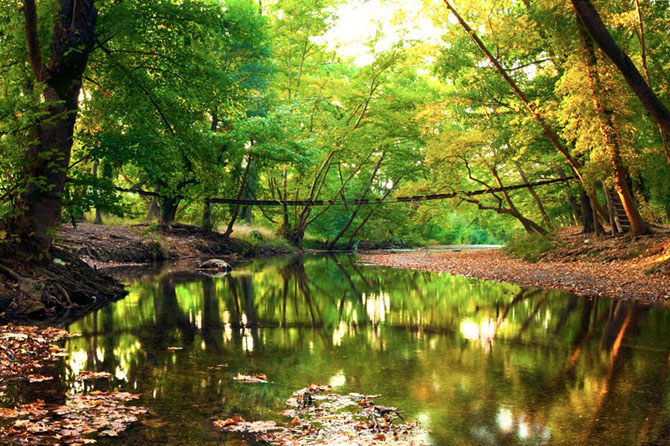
65	286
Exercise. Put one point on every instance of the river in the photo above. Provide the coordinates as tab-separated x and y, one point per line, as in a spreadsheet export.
475	362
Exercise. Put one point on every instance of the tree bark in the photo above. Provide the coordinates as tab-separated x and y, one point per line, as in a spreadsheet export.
48	155
536	197
168	210
236	209
98	213
571	199
589	16
353	215
207	224
611	137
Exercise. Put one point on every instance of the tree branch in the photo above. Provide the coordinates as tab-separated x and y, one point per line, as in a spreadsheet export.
32	40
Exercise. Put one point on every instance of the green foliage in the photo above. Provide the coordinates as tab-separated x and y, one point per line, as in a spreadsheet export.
187	99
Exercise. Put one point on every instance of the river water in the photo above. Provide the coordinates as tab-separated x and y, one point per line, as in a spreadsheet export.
476	362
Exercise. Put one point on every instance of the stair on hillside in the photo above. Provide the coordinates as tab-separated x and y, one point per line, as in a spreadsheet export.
618	218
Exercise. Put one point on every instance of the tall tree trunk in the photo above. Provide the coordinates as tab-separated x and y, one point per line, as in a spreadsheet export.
536	197
546	128
587	213
154	211
353	215
206	223
168	210
236	208
594	25
611	137
98	213
48	156
576	211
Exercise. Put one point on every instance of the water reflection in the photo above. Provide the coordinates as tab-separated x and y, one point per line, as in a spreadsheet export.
476	362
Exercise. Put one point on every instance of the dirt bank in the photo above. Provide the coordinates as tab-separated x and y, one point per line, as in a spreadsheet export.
72	283
611	267
62	288
104	245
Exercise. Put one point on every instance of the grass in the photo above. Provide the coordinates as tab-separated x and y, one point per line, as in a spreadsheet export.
260	237
530	247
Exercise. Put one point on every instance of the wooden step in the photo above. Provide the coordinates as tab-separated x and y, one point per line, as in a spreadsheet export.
618	217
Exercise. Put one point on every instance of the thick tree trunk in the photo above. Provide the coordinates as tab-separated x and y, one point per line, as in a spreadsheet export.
48	156
154	210
611	137
207	224
594	25
590	221
168	210
576	211
587	214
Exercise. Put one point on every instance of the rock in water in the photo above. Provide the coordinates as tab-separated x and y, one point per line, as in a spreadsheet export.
215	265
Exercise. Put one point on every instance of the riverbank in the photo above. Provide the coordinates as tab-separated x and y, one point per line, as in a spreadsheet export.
73	284
614	267
105	246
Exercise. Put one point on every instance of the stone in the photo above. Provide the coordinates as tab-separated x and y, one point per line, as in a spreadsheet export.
215	265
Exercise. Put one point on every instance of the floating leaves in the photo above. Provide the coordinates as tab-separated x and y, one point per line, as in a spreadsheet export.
103	413
85	376
24	349
256	378
237	424
322	418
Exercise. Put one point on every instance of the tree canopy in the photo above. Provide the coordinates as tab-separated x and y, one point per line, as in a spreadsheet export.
187	102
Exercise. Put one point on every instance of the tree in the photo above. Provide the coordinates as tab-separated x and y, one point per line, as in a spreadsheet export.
589	16
58	81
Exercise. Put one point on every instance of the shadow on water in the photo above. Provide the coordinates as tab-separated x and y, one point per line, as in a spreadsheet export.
475	362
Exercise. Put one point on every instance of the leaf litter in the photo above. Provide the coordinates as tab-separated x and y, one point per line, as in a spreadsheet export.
320	417
251	379
24	350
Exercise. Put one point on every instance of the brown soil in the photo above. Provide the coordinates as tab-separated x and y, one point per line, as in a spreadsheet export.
114	245
62	289
71	284
616	267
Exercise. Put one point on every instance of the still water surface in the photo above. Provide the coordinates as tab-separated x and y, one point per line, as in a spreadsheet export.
477	363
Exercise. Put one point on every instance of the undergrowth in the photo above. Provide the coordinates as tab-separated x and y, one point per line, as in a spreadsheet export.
530	247
259	238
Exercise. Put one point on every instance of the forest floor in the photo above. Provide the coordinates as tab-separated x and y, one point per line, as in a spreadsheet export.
105	246
616	267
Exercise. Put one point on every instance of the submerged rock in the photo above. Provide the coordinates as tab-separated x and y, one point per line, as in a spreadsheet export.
215	265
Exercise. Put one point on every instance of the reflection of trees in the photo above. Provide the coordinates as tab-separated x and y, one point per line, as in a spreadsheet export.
551	351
